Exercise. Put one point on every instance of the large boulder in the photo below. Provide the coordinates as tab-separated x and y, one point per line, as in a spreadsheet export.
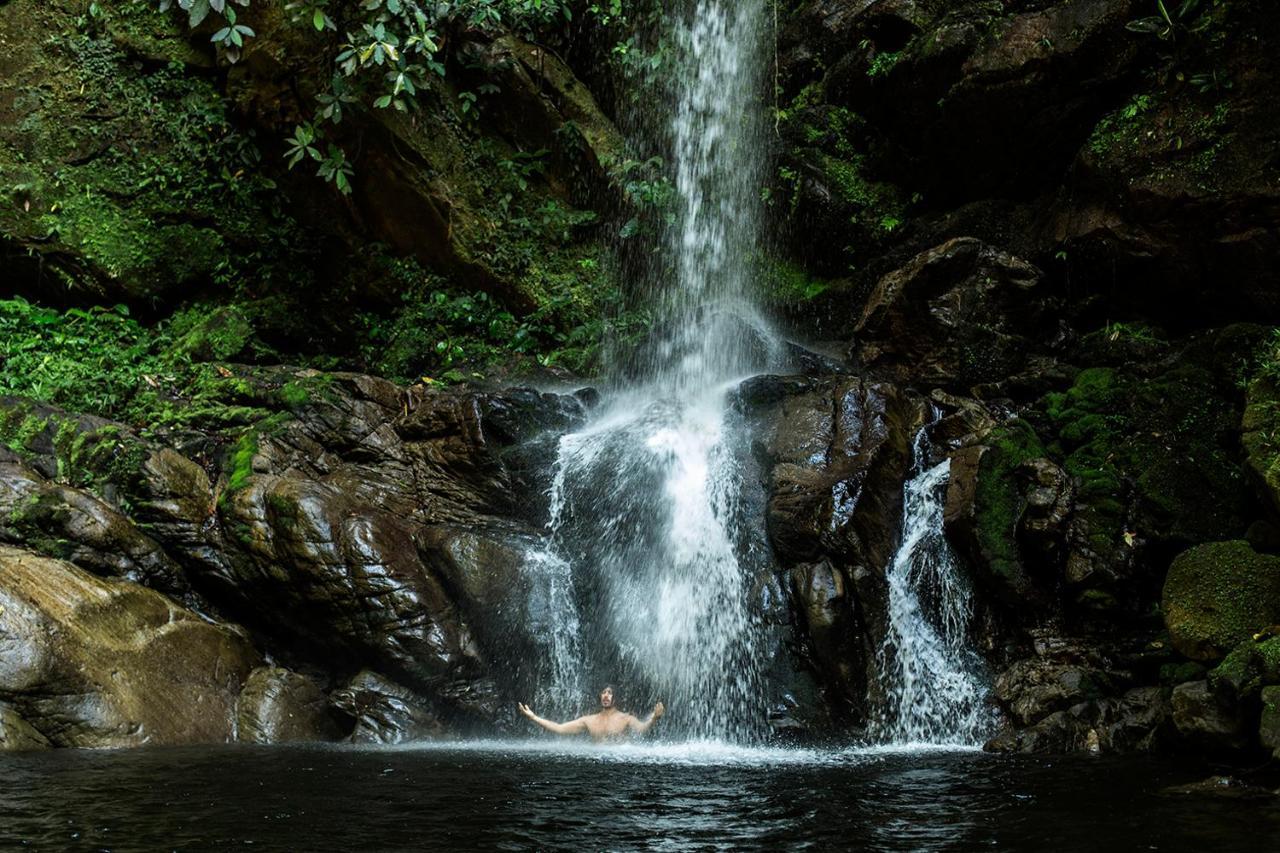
367	525
91	662
1206	721
1217	596
958	315
376	530
279	706
383	711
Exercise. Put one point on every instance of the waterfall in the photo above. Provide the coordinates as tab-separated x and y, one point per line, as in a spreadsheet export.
642	568
932	680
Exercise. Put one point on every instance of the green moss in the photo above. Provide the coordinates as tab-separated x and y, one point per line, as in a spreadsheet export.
1247	669
1158	444
439	328
1217	596
884	63
1172	674
1098	600
210	333
19	429
126	245
788	283
295	394
281	505
1261	431
241	463
998	505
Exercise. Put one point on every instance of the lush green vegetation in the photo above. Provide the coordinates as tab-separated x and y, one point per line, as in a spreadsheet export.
103	361
386	53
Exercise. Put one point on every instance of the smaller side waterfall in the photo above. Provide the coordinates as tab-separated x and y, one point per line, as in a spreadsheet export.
933	682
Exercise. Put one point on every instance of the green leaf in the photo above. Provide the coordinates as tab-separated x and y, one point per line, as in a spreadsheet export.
317	20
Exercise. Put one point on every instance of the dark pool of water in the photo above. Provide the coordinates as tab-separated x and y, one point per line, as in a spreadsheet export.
522	797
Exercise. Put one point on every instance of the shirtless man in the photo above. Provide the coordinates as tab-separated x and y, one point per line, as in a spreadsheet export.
606	724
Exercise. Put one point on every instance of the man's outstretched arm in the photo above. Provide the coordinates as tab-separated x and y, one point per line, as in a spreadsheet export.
573	727
641	727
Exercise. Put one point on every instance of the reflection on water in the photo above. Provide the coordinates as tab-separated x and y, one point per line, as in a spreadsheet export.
551	795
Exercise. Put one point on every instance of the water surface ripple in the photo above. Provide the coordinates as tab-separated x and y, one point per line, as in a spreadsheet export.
549	796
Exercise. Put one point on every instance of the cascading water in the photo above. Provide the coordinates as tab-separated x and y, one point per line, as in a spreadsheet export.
642	566
931	679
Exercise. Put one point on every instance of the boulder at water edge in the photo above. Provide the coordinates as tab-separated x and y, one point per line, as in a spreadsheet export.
91	662
279	706
17	734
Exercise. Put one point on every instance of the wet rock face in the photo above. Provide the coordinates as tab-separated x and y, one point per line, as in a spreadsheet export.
1074	694
17	734
1050	500
960	314
81	528
1207	722
385	712
1032	689
837	450
377	530
375	526
279	706
89	662
1137	721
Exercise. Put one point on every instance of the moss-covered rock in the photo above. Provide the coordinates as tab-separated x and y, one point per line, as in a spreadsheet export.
124	179
1261	436
1217	596
1251	666
1269	724
991	537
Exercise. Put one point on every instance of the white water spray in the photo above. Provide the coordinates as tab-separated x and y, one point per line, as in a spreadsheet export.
644	525
930	677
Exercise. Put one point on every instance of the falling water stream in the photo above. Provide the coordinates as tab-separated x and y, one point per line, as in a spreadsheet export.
642	576
645	582
933	682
